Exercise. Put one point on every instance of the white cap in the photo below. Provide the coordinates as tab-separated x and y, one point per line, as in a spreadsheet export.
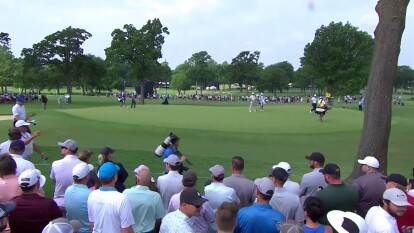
62	225
172	160
81	170
396	196
30	177
265	186
347	222
21	123
284	165
370	161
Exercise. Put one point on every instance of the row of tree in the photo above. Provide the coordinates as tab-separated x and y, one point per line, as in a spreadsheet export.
337	61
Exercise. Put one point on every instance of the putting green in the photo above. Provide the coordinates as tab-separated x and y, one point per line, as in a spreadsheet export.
276	119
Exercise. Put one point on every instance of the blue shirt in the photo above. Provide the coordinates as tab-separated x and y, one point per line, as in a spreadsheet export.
76	204
168	151
320	229
258	218
146	207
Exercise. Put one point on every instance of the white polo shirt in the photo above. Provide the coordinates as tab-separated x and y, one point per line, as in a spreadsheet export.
168	185
379	220
28	150
109	210
22	164
4	147
19	111
217	193
61	172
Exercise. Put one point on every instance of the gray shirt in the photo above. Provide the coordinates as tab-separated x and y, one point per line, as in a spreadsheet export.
310	183
289	204
168	185
370	189
244	188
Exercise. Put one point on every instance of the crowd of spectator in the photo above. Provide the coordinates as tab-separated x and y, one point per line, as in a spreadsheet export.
86	199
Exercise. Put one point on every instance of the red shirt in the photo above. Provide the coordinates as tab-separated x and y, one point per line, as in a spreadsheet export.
408	218
32	213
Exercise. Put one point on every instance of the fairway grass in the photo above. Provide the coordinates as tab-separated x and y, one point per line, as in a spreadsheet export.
213	132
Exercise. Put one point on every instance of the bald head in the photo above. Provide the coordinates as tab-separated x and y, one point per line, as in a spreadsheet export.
144	177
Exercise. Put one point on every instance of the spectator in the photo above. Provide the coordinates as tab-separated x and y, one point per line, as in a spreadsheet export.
260	217
338	195
109	210
217	193
62	225
244	187
85	156
383	218
400	182
5	209
314	211
347	222
44	101
200	223
14	134
312	181
147	209
107	155
179	220
18	110
290	186
61	171
370	186
76	196
16	151
23	126
226	216
33	212
170	183
283	201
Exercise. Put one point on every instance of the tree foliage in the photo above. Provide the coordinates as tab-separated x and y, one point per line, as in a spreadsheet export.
273	78
140	49
60	50
245	68
201	69
180	81
4	39
339	57
405	78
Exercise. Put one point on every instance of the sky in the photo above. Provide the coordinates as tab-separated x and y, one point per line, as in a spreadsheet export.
279	29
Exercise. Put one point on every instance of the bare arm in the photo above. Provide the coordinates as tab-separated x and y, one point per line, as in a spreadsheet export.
128	230
91	226
32	137
38	150
157	225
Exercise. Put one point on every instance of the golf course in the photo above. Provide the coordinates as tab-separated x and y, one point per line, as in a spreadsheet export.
211	133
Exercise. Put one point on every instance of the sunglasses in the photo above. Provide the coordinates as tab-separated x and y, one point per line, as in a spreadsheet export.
62	147
197	206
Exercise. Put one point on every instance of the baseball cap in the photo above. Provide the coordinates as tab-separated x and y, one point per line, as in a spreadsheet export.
280	174
107	170
283	165
316	156
17	145
397	178
20	98
70	144
30	177
192	196
396	196
189	178
265	186
289	227
331	169
172	159
347	222
314	95
21	123
62	225
217	171
81	170
370	161
107	150
6	208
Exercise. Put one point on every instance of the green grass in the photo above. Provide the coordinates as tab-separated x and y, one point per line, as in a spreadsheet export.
212	132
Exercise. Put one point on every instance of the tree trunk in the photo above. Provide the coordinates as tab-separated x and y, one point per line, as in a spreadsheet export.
142	92
378	95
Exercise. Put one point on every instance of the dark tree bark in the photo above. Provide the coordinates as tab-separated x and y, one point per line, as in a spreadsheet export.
378	95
